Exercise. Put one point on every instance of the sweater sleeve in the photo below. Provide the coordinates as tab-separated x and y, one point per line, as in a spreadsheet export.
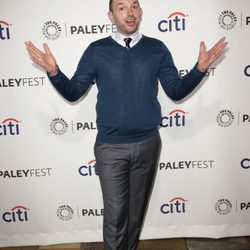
72	89
174	86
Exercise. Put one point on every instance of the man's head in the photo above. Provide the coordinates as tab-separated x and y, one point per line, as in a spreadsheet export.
126	15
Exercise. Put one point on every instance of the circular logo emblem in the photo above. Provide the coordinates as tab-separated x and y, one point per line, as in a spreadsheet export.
51	30
225	118
58	126
227	20
65	212
223	206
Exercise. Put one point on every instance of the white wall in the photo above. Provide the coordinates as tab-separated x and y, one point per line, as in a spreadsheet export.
202	184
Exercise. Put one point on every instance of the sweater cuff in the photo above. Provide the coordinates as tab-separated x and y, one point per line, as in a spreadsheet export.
196	71
55	76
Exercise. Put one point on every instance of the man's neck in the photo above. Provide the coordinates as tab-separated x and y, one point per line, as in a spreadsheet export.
119	38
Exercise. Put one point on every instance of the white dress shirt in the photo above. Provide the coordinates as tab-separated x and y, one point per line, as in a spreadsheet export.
119	38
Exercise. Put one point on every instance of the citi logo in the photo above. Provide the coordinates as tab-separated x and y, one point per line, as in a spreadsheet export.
9	126
175	22
89	169
175	205
4	30
176	118
17	214
245	163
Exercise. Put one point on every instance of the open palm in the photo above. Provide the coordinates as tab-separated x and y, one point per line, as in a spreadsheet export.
45	60
206	58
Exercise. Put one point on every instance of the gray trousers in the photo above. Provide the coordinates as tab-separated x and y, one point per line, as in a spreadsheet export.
126	173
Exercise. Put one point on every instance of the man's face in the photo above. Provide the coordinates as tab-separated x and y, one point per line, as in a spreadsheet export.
126	15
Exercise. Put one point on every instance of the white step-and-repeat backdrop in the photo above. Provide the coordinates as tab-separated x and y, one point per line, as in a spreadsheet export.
48	187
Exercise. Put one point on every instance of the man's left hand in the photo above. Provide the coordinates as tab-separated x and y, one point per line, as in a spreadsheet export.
206	58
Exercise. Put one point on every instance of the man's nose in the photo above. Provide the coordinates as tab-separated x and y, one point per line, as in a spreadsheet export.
130	12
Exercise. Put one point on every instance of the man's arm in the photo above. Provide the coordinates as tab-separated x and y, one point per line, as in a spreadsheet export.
71	89
176	87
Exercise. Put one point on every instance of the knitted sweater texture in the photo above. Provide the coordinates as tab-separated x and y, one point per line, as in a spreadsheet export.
127	81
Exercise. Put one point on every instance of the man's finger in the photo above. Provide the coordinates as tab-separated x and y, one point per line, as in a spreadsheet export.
219	49
202	47
33	48
218	45
46	49
37	61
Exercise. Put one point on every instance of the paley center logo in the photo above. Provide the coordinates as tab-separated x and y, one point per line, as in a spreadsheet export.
227	20
10	127
4	30
65	212
188	165
176	21
51	30
225	118
90	29
175	118
88	169
223	206
22	82
175	205
25	173
16	214
59	126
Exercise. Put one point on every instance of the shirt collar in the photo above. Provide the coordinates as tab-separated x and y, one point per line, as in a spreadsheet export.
119	38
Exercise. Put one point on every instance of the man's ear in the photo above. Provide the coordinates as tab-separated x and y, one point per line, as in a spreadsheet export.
111	17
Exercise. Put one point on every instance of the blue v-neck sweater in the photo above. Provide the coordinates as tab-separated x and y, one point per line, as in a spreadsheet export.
127	81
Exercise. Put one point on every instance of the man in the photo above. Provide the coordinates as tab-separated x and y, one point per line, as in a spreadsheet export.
128	113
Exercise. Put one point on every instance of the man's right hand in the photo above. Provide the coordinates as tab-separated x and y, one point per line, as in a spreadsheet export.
45	60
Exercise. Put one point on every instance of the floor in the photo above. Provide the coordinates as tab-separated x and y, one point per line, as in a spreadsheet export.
237	243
